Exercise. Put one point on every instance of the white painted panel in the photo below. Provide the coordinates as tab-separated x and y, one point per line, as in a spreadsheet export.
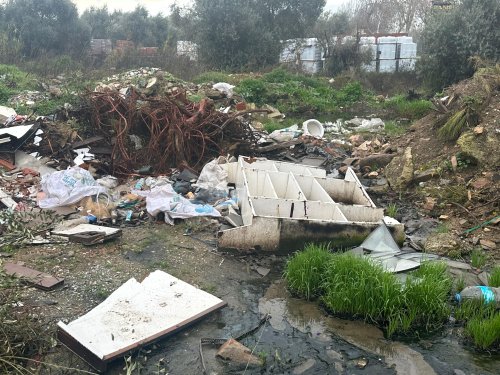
387	39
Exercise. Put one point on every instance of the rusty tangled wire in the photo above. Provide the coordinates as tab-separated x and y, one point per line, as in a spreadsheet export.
176	132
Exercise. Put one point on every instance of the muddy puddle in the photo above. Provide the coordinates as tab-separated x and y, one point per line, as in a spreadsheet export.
442	355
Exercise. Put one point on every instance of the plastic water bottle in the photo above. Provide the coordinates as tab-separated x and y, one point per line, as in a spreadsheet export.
486	293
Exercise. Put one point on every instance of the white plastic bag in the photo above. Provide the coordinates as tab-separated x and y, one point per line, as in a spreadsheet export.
67	187
164	199
225	88
286	134
213	176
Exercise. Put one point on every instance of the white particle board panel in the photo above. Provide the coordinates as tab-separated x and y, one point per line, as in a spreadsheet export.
138	313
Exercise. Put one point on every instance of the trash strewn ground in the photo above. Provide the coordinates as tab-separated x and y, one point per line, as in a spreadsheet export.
153	173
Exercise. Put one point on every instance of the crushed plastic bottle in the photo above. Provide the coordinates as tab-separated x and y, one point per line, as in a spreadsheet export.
486	293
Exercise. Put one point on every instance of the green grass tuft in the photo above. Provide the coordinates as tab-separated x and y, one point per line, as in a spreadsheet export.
411	109
359	287
213	77
478	258
494	278
485	332
392	210
305	270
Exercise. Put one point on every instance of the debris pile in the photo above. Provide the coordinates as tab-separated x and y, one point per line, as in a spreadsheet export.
164	132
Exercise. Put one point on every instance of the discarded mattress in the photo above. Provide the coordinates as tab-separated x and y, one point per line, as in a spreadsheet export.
285	205
134	315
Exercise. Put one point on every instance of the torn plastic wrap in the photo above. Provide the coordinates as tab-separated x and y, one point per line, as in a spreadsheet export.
68	187
164	199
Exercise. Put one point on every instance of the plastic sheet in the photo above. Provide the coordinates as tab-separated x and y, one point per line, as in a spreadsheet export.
68	187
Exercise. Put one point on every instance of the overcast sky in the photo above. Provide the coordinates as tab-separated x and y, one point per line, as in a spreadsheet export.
156	6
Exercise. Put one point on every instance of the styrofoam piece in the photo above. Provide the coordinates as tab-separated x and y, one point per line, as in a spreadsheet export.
82	228
138	313
313	127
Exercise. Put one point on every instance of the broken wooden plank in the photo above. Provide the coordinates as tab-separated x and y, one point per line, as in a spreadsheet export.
134	315
279	146
7	200
87	141
36	278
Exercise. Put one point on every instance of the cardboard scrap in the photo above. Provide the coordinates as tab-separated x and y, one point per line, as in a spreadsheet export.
38	279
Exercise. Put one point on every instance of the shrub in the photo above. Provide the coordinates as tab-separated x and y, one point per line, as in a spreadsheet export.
305	270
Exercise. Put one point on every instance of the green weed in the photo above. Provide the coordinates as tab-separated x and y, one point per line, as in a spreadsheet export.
494	278
213	77
442	228
460	284
394	128
411	109
478	258
484	332
253	90
357	286
305	270
392	210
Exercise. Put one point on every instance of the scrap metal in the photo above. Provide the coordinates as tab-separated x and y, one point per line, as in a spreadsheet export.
176	132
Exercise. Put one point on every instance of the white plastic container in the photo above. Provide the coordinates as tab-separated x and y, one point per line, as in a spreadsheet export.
313	127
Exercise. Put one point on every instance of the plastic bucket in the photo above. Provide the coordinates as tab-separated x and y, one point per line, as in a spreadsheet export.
313	127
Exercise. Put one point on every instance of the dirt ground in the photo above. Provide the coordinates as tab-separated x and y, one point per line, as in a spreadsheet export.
299	339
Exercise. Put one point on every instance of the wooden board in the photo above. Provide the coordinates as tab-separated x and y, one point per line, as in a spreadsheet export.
38	279
134	315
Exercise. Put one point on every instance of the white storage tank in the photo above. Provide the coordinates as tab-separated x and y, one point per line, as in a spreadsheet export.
387	66
406	65
404	39
386	51
372	48
367	40
407	51
370	67
387	39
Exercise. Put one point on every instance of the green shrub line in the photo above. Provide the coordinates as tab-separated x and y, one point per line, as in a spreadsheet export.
349	285
411	109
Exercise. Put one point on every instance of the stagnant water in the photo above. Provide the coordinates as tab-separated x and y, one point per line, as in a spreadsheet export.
443	355
300	338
